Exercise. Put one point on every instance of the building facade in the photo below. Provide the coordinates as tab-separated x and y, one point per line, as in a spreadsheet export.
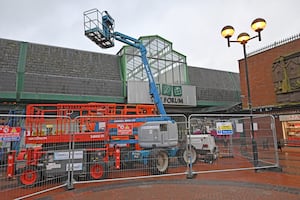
274	80
36	73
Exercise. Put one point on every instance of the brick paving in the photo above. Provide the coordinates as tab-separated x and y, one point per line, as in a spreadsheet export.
238	185
203	187
184	190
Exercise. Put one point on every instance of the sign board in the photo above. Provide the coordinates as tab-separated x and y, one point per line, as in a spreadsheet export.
289	117
224	128
170	94
64	155
74	166
8	134
239	127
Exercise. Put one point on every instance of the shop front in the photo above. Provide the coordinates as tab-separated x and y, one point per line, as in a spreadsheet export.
291	129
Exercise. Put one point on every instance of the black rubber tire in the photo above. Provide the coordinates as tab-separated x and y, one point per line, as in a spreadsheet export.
158	161
183	156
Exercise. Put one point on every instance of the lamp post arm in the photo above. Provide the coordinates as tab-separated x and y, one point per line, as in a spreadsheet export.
229	41
258	35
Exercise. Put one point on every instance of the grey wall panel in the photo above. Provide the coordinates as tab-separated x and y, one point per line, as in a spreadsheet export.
214	94
215	85
37	83
208	78
69	62
67	71
9	55
8	82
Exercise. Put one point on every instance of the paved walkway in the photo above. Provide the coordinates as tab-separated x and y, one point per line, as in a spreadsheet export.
239	185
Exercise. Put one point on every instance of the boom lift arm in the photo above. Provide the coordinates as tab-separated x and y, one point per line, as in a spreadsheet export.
102	33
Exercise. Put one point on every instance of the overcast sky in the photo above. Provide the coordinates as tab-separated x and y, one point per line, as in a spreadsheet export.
193	26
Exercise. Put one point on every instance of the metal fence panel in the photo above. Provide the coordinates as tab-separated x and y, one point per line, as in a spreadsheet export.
28	147
117	153
236	144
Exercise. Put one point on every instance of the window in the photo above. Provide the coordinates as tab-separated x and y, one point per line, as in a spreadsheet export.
163	127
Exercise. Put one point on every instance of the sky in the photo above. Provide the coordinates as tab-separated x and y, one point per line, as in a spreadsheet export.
193	26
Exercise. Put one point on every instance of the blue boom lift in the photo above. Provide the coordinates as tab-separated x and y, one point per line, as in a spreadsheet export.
158	136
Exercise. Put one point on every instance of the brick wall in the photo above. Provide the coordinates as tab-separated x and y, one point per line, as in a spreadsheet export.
260	74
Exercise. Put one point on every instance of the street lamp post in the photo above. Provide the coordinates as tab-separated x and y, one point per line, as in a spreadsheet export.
257	25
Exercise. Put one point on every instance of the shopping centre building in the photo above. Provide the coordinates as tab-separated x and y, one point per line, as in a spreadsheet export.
35	73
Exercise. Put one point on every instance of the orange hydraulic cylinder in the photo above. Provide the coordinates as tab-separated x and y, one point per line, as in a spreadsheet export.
11	164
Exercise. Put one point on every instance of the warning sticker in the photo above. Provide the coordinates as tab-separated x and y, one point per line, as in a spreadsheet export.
8	133
124	129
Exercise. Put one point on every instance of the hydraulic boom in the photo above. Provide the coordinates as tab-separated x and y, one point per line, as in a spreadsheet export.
102	33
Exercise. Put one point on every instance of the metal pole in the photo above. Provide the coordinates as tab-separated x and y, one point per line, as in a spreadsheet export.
248	84
70	185
190	174
254	144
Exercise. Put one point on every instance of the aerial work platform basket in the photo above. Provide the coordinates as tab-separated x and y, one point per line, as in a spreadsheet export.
99	27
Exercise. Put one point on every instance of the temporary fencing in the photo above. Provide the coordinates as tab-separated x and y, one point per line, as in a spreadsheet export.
46	152
243	141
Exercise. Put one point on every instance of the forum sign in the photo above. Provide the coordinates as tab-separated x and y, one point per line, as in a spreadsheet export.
138	93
